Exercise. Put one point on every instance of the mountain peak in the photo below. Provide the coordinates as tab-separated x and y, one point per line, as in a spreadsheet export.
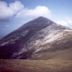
21	43
41	17
39	22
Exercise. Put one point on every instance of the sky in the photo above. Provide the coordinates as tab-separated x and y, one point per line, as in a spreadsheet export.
14	13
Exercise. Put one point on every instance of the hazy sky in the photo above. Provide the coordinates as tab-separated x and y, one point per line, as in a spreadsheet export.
14	13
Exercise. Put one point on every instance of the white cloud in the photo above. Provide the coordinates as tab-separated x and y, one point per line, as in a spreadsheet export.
17	8
62	22
69	20
5	11
8	10
65	22
37	11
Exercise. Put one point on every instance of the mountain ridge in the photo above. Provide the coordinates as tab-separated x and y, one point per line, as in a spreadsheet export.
35	37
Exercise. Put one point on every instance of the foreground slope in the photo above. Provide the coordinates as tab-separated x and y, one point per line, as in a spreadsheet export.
38	39
51	65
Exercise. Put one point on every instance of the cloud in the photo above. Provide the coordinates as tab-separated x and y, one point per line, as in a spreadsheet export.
19	12
9	10
69	20
65	22
17	9
16	6
37	11
62	22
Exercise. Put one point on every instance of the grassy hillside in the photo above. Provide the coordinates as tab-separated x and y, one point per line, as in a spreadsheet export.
58	61
51	65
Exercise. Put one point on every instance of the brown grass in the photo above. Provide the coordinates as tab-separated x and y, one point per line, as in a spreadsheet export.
52	65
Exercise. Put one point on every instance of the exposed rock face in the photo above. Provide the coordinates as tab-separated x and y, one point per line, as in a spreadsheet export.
35	39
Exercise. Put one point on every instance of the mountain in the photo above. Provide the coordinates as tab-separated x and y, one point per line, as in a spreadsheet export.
40	38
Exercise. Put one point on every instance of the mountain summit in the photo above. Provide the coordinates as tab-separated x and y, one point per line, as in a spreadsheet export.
35	40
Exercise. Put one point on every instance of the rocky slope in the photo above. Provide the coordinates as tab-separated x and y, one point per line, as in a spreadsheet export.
38	39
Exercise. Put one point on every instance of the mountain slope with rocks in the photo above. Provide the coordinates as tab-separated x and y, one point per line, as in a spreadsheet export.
40	38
